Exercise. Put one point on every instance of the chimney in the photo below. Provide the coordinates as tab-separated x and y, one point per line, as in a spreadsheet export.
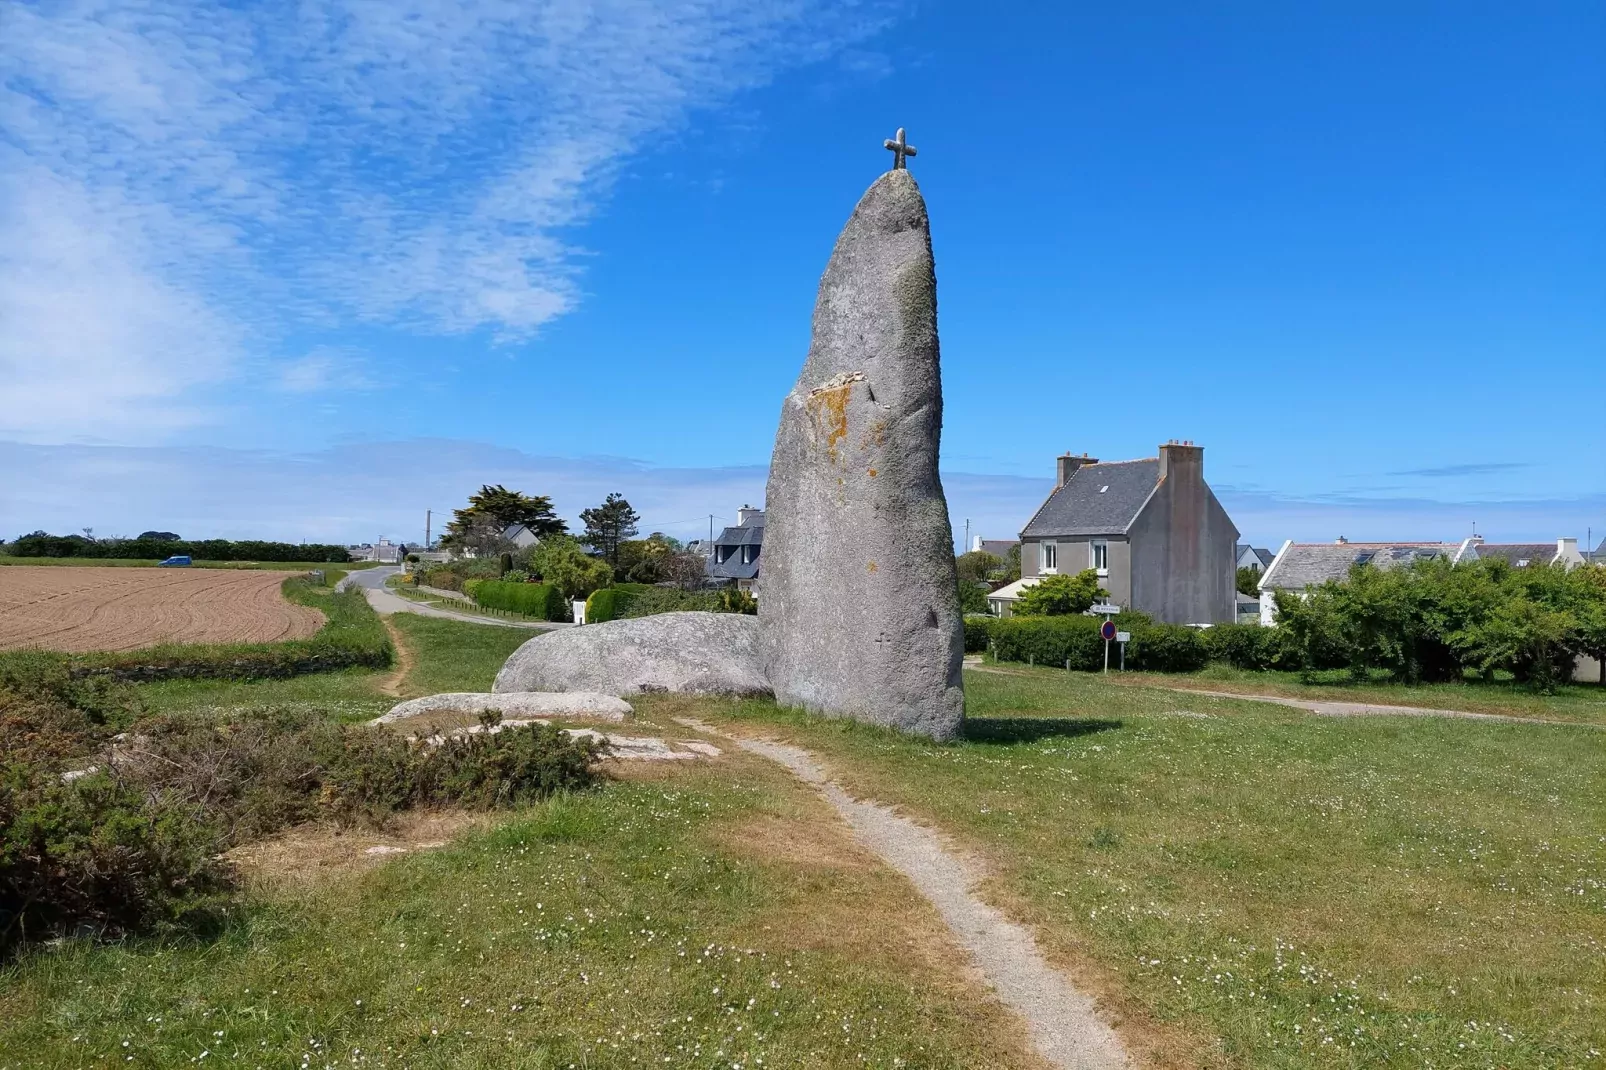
1566	548
1182	462
743	514
1341	541
1066	466
975	544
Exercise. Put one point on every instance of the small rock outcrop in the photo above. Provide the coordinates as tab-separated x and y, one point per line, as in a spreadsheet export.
858	601
589	705
700	653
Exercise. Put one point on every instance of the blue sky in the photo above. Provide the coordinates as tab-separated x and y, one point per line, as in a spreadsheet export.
307	270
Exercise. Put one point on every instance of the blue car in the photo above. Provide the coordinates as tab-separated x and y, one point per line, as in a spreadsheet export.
176	561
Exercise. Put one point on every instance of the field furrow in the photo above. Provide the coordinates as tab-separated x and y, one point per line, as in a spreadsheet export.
89	609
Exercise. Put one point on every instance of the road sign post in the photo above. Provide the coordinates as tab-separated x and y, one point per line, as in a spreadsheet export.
1123	638
1107	630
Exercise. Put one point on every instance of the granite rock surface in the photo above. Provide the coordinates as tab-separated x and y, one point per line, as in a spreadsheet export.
589	705
858	602
699	653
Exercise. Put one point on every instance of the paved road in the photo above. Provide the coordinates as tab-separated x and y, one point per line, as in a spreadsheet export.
372	583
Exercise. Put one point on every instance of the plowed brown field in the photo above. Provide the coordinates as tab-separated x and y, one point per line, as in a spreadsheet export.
83	609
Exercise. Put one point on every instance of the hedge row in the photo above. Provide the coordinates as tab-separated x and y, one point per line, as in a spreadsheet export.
608	603
1074	642
1154	647
40	544
352	636
539	600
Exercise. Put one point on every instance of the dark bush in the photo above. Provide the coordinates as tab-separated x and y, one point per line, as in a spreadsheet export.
1049	641
1166	648
538	600
102	855
499	769
608	603
135	846
40	544
655	600
1248	646
977	632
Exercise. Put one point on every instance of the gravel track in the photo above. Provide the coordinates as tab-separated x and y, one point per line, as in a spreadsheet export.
1063	1023
90	609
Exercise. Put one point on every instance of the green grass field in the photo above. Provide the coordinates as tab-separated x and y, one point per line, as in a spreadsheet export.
1242	885
1573	702
1287	890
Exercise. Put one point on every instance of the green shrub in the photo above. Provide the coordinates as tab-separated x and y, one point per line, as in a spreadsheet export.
977	632
1049	641
736	600
40	544
472	587
1060	595
136	846
608	603
1056	640
1166	648
539	600
99	854
656	600
508	768
1247	646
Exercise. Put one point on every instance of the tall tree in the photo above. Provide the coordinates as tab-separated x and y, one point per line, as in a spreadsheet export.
610	524
504	507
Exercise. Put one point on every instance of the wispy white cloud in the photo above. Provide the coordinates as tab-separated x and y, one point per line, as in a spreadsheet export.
324	368
235	172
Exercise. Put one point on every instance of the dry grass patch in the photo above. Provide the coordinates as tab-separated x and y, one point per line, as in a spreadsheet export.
313	853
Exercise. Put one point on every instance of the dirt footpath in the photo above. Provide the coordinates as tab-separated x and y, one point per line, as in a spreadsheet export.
87	609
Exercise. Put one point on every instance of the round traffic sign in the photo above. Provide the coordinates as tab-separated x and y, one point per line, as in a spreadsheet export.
1107	629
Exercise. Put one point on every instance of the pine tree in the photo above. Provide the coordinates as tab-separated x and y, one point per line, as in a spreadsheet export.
609	524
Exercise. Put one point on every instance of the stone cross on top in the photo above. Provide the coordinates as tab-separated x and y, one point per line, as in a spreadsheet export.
900	148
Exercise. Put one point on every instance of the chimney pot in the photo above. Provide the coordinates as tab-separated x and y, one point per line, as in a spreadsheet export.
1342	541
1065	466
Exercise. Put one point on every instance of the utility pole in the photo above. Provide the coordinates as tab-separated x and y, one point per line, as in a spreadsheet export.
710	532
965	549
428	515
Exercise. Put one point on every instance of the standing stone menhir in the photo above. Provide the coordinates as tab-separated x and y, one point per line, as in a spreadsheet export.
858	605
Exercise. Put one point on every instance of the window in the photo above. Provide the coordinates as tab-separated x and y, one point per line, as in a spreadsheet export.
1099	557
1050	557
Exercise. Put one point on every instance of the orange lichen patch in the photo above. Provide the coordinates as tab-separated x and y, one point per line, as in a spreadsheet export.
871	567
874	435
829	407
872	473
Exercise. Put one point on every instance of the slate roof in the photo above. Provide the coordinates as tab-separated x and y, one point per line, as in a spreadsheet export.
732	569
999	547
748	533
1520	554
1303	564
1098	499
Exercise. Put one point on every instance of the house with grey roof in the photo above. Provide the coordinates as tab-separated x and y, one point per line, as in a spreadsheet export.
735	552
1300	566
996	547
1253	557
520	535
1522	554
1152	529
